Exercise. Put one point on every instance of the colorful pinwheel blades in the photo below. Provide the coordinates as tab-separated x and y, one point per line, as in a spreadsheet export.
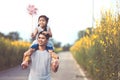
32	10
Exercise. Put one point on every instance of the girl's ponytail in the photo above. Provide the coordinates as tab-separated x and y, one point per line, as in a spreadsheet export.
38	25
45	28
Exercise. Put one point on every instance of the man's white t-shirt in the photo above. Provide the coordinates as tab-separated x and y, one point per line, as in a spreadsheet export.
40	65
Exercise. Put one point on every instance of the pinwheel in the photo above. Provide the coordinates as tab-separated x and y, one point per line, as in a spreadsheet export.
32	11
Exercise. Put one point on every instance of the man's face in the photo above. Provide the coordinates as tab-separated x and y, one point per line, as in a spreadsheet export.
42	40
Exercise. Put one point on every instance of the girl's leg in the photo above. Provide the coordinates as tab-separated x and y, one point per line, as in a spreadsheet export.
55	60
53	54
55	65
55	57
26	58
28	53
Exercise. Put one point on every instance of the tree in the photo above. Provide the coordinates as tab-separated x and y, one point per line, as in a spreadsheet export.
66	47
56	43
88	31
2	35
13	36
81	34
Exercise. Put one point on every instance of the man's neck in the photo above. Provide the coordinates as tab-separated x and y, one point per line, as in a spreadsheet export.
42	48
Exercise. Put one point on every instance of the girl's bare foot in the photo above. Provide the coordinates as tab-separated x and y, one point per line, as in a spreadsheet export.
24	64
55	64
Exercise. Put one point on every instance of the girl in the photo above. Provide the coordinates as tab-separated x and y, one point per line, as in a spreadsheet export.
42	26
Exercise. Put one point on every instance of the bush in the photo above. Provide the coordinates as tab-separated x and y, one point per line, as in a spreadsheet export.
99	53
11	52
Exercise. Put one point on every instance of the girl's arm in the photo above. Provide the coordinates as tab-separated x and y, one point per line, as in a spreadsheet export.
33	35
48	32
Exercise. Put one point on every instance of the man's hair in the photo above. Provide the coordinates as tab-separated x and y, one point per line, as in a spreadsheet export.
46	35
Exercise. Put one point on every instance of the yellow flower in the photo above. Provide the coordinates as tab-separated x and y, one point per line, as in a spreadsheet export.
97	70
111	41
90	61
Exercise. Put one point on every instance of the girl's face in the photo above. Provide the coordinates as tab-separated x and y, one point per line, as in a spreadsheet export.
42	22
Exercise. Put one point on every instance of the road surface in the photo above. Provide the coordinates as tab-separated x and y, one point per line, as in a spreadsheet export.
68	70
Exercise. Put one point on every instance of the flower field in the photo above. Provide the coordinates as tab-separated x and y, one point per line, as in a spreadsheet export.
11	52
99	53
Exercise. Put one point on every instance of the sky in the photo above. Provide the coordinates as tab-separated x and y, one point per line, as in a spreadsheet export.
66	17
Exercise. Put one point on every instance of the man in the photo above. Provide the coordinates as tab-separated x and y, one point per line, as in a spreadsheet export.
41	61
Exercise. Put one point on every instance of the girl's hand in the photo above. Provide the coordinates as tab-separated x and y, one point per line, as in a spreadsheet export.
32	35
45	32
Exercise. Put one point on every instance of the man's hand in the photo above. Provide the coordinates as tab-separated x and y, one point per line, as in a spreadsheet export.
45	32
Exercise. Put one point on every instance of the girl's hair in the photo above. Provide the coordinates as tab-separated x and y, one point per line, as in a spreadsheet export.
46	18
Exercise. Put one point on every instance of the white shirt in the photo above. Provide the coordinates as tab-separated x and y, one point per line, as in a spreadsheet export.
40	65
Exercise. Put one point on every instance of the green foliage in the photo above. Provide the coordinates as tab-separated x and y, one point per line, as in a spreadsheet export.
57	50
66	47
11	36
